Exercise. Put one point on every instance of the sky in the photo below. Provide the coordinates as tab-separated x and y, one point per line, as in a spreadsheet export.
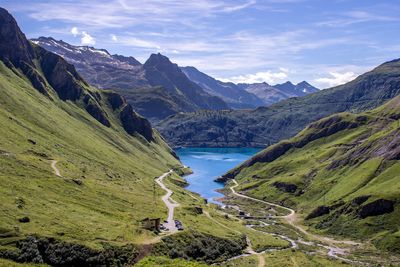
323	42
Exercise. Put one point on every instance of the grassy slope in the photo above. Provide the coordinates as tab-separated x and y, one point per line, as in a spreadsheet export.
362	168
117	170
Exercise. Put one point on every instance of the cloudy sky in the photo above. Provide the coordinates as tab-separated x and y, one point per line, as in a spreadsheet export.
324	42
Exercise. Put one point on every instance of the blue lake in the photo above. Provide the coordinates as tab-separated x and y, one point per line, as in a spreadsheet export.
209	163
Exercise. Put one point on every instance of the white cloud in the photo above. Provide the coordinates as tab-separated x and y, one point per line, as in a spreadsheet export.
259	77
74	31
122	13
239	7
87	39
114	38
137	42
336	78
356	16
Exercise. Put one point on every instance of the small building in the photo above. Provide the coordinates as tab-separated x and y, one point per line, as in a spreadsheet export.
151	224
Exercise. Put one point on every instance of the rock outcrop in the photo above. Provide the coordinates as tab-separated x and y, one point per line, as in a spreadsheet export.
132	123
375	208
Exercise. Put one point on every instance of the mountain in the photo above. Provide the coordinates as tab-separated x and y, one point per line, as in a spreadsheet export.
341	173
132	79
106	155
243	95
231	93
160	71
301	89
97	66
273	94
267	125
267	93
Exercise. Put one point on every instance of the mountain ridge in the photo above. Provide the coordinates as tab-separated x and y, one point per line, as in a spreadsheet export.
264	126
231	93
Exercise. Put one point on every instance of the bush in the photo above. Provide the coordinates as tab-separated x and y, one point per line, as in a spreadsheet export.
57	253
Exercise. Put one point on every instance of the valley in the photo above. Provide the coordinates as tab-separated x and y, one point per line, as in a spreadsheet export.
107	161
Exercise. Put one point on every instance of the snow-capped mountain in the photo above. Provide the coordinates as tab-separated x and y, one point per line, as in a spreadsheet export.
98	66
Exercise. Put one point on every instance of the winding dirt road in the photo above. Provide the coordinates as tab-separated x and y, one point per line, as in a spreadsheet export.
169	202
54	167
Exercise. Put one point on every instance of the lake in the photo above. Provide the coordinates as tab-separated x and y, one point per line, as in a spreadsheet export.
209	163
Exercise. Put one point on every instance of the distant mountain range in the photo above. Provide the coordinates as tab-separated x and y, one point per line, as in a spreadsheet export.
267	125
231	93
271	94
159	88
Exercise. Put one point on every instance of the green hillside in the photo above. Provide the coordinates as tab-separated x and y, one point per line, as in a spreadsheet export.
106	154
341	173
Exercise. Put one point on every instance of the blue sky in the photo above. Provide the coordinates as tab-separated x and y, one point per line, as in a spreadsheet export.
324	42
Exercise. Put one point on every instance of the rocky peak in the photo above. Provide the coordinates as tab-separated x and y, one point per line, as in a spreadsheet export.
130	60
303	83
159	61
14	47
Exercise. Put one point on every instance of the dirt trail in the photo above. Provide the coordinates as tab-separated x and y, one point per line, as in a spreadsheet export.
169	202
54	167
250	250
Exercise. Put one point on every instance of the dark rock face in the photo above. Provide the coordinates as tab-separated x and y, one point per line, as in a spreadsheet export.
116	101
134	123
14	47
375	208
16	51
96	111
317	212
285	187
61	76
359	200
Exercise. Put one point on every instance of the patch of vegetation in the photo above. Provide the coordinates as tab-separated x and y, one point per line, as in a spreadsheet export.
9	263
167	262
198	246
249	261
296	258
